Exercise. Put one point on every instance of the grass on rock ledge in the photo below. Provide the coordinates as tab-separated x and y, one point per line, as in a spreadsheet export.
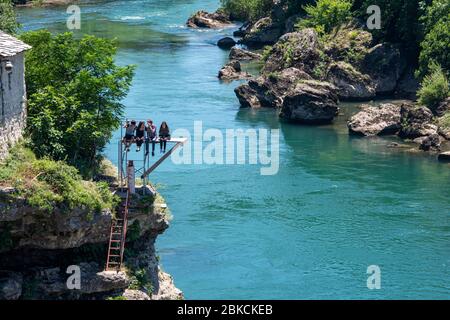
47	184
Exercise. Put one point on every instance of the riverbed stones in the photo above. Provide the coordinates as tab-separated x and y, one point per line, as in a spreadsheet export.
371	120
233	71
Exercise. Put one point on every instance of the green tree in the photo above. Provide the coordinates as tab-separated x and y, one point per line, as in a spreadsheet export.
435	46
8	21
399	22
434	88
247	9
326	15
75	91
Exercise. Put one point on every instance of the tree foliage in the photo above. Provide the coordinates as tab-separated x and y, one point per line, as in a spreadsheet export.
435	46
74	91
8	22
247	9
326	15
400	22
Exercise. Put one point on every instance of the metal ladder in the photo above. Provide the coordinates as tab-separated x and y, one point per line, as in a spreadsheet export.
117	236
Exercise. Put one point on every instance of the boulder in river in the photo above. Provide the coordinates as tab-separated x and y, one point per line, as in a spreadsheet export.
269	90
416	121
371	120
203	19
226	43
351	84
233	71
243	55
311	102
431	143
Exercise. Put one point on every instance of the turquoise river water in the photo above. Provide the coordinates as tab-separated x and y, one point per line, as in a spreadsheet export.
337	205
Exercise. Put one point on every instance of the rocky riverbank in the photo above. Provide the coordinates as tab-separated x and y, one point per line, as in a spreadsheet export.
37	248
305	75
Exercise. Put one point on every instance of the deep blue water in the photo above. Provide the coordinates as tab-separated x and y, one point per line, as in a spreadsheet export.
337	205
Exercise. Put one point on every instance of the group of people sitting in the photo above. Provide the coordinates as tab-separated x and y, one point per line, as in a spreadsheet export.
142	133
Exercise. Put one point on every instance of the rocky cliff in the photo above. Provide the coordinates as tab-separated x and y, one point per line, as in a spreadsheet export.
39	249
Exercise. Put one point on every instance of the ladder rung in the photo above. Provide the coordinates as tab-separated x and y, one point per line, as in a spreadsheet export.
115	240
114	256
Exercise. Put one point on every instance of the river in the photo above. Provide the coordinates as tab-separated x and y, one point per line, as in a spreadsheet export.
338	204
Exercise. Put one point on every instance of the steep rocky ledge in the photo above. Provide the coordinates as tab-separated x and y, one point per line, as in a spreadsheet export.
36	249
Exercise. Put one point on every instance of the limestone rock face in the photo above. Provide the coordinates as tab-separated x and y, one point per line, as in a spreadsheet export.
416	121
298	49
233	71
243	55
384	119
385	65
203	19
269	91
61	231
350	83
311	102
52	282
39	248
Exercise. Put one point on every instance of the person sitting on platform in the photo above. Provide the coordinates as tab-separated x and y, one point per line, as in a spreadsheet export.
140	135
151	137
130	127
164	135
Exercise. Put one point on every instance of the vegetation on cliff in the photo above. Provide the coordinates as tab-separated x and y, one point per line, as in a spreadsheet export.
325	15
47	184
247	9
435	88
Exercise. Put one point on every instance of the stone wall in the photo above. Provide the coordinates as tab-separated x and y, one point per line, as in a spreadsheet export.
12	103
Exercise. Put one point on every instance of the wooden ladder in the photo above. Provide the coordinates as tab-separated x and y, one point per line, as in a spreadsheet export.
118	236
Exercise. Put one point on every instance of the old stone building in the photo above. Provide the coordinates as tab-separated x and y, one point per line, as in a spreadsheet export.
12	91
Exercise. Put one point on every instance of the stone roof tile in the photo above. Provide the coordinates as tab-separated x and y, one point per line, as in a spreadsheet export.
10	46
